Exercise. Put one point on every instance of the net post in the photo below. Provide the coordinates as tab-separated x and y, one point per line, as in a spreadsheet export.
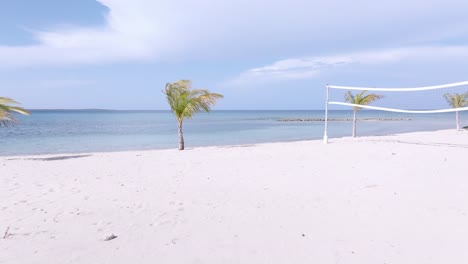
325	134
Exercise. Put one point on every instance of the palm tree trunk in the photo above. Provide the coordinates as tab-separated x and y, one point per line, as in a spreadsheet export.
181	137
457	119
354	123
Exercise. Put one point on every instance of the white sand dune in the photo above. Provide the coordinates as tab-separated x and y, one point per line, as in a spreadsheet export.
392	199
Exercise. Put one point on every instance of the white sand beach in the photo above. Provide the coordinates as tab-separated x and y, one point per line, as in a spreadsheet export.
389	199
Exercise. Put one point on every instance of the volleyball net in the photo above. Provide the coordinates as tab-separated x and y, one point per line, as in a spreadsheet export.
417	100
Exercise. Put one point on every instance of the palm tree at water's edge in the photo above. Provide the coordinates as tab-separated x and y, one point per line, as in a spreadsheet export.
360	99
457	101
185	102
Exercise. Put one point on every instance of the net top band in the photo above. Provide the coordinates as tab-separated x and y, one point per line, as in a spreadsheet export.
400	89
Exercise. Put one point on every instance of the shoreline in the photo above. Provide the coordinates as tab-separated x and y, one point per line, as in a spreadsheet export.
32	156
210	146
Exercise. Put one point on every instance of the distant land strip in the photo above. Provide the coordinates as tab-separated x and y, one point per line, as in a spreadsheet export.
340	119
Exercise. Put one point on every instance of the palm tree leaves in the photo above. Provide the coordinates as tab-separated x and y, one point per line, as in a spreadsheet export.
185	102
457	100
6	119
7	109
200	100
176	94
361	98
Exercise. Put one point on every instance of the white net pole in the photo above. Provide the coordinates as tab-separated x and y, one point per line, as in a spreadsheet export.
325	134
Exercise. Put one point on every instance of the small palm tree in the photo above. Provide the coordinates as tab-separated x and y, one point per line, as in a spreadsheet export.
457	101
7	109
360	99
185	102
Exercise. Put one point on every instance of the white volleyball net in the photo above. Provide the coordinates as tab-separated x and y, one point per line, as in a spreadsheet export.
406	101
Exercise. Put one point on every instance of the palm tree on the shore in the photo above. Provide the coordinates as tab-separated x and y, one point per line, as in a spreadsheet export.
457	101
360	99
7	110
185	102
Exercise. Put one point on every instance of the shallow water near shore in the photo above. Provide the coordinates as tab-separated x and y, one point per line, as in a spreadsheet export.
80	131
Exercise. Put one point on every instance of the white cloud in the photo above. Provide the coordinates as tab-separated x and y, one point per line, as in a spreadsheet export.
125	36
312	67
187	29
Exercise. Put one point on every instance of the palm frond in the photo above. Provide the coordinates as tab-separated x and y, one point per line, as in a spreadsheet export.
361	98
349	97
457	100
7	119
7	101
185	102
7	109
19	110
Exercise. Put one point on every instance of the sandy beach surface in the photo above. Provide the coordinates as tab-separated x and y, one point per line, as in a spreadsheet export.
375	200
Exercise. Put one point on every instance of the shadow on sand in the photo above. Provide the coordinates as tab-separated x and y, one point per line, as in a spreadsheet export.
60	158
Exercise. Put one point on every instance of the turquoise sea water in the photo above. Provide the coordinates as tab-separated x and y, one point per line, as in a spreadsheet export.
70	131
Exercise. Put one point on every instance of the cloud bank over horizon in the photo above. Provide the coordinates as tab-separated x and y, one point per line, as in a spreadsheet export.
145	30
313	67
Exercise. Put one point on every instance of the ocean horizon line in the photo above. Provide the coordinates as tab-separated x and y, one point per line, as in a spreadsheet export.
166	110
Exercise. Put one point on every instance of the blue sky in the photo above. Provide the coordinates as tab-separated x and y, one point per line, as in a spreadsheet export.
118	54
